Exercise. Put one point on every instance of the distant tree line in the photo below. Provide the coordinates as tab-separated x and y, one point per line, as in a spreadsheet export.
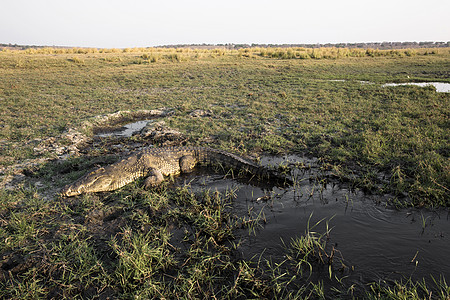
377	45
24	47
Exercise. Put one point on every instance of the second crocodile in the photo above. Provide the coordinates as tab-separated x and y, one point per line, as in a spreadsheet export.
155	163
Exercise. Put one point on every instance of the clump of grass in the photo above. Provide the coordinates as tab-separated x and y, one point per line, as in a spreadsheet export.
77	60
209	212
408	290
23	289
74	258
141	257
150	57
219	52
310	247
175	57
112	59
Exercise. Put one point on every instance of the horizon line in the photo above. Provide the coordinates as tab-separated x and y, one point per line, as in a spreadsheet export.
249	45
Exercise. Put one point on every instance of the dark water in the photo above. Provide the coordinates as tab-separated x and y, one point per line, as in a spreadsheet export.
378	241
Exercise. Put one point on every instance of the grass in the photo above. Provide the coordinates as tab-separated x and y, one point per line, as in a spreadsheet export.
408	290
165	243
311	247
278	105
173	242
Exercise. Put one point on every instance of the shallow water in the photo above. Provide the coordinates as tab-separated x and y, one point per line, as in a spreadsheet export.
441	87
380	243
126	130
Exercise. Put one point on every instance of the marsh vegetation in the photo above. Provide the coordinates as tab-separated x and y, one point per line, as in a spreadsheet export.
185	240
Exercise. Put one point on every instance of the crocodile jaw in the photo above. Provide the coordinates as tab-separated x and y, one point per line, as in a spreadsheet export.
96	181
68	192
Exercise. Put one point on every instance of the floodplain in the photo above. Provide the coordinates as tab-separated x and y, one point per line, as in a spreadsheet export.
366	217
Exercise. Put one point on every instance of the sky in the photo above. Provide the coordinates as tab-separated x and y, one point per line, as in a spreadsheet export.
140	23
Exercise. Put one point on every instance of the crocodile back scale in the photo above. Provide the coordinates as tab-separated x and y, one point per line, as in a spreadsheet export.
155	163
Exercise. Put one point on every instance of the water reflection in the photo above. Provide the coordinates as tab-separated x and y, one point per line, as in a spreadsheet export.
441	87
126	130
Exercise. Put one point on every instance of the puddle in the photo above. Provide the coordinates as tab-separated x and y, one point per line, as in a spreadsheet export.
345	80
441	87
365	82
127	130
380	243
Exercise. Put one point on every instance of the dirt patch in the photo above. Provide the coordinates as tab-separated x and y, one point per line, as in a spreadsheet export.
161	134
75	139
200	113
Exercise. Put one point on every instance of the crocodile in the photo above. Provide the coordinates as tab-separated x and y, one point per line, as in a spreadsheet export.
155	163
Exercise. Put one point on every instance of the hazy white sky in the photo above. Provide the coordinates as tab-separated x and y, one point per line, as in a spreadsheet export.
140	23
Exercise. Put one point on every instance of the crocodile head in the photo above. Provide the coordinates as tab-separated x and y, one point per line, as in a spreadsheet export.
96	181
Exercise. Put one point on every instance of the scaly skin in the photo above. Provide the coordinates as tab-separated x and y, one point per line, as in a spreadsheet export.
155	163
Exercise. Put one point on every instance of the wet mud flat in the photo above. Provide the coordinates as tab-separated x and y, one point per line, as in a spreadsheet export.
372	241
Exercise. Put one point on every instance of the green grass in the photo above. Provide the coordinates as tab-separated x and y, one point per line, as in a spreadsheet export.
172	242
165	243
408	290
275	105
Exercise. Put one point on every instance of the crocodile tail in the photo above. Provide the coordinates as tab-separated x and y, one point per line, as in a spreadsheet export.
219	157
212	156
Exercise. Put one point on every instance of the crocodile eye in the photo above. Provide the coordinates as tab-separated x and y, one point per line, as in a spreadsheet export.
98	171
